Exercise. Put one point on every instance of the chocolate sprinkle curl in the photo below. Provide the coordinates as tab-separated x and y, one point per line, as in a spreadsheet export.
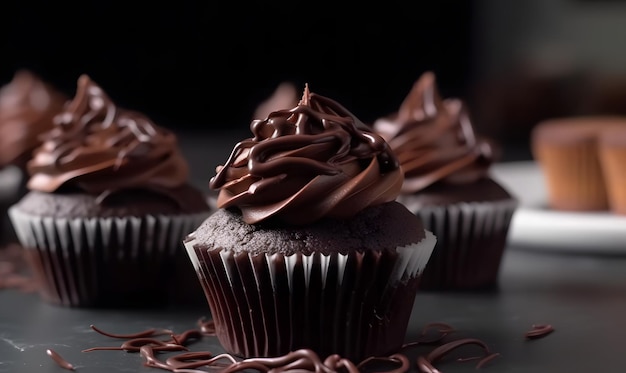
442	328
145	333
301	361
400	359
425	366
539	331
443	350
59	360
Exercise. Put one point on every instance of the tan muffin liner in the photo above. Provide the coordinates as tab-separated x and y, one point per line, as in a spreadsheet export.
102	262
356	304
574	176
471	238
613	160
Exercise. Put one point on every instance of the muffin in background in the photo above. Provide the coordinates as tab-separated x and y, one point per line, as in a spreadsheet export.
567	151
612	156
447	183
27	106
308	248
108	203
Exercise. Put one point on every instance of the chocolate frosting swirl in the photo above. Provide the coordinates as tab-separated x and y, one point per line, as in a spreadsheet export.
27	106
313	161
434	139
101	149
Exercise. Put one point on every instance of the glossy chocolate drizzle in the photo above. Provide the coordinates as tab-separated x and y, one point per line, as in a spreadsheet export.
149	346
312	161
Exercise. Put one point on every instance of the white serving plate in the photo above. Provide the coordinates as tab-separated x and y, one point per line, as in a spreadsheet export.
536	226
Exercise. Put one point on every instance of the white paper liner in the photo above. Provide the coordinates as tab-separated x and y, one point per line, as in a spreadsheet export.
268	304
471	237
77	255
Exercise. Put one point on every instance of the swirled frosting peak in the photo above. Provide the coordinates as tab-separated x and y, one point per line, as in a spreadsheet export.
434	139
101	149
27	106
313	161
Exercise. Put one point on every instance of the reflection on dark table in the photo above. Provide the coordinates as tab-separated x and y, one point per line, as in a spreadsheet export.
582	296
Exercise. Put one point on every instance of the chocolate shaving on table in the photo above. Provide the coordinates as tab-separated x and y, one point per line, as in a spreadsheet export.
425	366
487	359
539	331
145	333
440	352
303	360
439	327
400	359
59	360
206	326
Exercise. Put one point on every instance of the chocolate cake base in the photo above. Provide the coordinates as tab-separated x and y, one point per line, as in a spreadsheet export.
345	287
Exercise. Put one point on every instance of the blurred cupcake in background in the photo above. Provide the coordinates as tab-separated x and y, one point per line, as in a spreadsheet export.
569	150
612	156
108	204
285	96
447	183
27	106
309	248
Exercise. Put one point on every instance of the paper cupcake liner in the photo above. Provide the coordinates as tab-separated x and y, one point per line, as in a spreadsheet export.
356	304
103	262
573	177
471	238
613	160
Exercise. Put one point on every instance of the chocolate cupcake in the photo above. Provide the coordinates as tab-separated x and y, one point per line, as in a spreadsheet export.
447	184
309	248
27	105
108	203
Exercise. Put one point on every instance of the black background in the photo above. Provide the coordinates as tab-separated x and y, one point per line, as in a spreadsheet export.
206	65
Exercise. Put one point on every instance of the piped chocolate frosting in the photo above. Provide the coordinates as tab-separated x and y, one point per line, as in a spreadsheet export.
434	139
312	161
98	148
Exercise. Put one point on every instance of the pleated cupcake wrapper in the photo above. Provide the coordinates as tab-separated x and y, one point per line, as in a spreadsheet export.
470	242
91	261
356	304
613	160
